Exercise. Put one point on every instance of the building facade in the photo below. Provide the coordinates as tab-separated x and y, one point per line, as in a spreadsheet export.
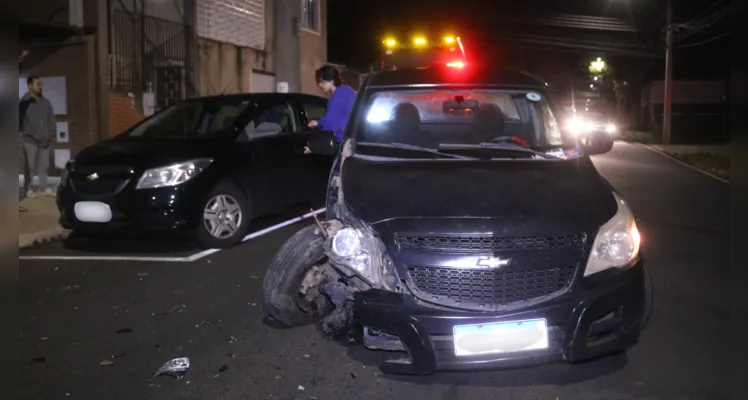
108	63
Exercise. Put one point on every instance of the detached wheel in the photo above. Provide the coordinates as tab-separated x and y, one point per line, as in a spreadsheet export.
224	218
281	289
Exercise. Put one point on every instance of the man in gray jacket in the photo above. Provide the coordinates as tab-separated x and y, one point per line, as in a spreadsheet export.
38	131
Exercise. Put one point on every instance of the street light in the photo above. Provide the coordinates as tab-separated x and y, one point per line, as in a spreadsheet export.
597	66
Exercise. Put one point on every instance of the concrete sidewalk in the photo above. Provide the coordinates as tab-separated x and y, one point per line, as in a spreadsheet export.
39	222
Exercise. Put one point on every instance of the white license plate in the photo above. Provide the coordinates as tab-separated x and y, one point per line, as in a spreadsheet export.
500	337
92	211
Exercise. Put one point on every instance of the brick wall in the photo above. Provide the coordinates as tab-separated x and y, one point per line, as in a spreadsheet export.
122	113
71	61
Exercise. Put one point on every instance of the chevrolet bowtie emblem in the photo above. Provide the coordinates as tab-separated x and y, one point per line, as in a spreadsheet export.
492	262
93	177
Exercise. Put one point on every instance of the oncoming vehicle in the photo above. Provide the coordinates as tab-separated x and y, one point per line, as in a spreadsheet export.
205	166
465	229
592	126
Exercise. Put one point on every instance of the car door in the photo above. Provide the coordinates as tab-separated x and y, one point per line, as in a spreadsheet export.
313	108
279	162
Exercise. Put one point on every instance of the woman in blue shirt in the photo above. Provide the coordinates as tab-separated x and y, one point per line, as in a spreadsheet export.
340	104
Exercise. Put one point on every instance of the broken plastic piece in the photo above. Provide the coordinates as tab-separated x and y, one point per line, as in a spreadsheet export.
176	368
106	363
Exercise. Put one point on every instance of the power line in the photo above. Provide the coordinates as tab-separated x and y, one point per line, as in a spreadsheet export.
705	41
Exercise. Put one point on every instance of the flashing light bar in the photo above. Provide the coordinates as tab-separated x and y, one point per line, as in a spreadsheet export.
421	42
458	64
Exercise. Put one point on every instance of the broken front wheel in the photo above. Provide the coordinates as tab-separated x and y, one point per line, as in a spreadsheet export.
291	289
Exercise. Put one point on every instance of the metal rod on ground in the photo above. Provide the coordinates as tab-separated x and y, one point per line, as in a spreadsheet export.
667	103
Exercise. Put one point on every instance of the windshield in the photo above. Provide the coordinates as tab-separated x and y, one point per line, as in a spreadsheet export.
441	118
199	118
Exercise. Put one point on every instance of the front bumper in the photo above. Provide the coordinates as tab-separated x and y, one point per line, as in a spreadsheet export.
592	320
172	209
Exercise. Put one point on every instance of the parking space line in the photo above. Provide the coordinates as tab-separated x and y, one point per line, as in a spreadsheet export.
190	258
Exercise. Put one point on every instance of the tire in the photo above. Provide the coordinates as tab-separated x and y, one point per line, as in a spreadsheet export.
280	288
233	201
648	300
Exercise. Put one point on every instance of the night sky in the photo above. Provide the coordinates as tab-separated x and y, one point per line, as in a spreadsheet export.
356	28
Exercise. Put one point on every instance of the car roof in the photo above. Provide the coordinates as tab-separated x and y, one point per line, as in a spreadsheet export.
439	76
271	95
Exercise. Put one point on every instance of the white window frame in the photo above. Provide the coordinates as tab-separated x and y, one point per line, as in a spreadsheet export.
305	17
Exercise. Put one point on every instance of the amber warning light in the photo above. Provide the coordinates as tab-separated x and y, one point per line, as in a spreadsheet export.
458	64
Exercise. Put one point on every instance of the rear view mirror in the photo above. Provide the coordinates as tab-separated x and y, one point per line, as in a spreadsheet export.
323	143
460	104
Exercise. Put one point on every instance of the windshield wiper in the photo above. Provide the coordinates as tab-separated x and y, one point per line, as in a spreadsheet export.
498	146
404	146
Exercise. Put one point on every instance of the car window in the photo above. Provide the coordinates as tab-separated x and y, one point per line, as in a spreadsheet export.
191	119
314	109
446	116
274	119
280	114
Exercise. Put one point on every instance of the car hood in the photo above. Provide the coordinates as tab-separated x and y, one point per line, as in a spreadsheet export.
143	154
523	194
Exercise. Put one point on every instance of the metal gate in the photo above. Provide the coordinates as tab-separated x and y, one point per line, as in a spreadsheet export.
149	54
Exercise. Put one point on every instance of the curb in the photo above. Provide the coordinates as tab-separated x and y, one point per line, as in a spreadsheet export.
687	165
31	239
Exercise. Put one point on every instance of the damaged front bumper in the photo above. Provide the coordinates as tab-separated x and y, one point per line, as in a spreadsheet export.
590	321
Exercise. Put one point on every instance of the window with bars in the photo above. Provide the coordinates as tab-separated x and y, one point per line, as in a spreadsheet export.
310	15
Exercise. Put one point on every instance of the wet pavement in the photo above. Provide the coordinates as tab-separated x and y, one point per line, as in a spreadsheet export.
100	328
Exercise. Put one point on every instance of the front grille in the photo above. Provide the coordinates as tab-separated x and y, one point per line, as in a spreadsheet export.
491	286
485	243
98	188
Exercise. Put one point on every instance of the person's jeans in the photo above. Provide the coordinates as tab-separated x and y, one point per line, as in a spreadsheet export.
37	163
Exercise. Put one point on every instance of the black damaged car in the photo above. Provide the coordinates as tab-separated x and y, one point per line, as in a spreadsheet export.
465	230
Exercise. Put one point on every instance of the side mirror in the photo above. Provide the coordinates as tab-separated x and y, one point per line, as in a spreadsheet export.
599	144
323	143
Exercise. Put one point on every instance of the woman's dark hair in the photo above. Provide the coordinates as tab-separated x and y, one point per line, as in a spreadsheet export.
329	73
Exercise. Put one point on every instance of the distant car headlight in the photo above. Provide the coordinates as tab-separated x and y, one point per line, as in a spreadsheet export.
359	251
578	126
617	242
610	128
172	175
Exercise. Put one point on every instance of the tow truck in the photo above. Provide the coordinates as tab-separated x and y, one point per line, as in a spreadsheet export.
422	51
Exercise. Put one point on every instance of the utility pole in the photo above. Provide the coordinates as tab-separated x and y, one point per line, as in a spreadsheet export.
668	100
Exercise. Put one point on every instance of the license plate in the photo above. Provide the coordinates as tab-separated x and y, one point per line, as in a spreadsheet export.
92	211
500	337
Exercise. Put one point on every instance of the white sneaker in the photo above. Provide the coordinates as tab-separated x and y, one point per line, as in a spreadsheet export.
49	193
30	194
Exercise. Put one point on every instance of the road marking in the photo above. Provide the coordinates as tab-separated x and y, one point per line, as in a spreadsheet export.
190	258
662	153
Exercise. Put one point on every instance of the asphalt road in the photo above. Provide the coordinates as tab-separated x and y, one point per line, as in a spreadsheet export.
77	314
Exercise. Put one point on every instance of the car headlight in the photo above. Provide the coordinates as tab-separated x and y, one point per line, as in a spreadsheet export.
610	128
359	251
617	242
172	175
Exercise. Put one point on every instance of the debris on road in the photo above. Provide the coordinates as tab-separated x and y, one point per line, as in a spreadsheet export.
69	287
232	339
125	330
221	370
302	387
176	368
177	308
207	323
106	363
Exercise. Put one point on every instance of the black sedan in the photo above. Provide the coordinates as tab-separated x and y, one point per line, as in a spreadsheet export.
205	165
